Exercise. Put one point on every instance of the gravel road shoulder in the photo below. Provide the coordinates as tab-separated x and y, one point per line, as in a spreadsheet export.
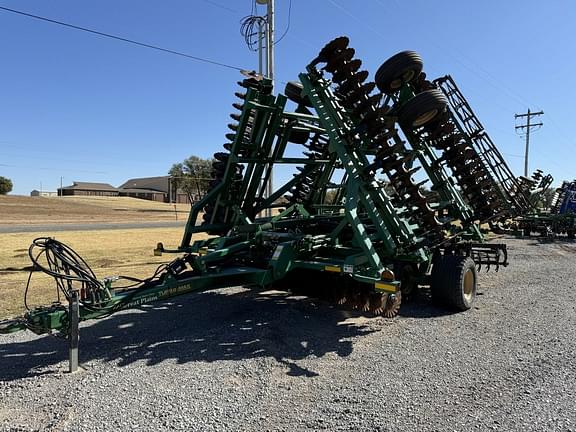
239	360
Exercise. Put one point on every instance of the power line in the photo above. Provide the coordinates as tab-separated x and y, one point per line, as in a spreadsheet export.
218	5
53	169
360	21
558	132
528	127
494	82
287	26
110	36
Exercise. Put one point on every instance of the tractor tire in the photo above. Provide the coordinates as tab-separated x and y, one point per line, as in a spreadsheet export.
293	91
401	68
454	282
422	109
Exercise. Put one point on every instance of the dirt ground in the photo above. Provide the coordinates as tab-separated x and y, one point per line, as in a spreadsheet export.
39	210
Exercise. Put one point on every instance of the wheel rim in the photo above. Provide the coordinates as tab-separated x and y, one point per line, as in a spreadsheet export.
469	283
425	118
404	78
408	75
396	84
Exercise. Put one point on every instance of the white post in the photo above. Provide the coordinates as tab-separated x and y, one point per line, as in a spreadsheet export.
270	47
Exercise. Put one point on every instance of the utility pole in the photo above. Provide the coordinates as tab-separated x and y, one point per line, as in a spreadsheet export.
261	35
270	44
265	31
271	76
269	69
269	66
528	127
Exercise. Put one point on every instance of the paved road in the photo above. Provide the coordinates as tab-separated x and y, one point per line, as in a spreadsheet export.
5	229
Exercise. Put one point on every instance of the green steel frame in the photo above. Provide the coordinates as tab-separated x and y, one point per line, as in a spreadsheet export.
361	236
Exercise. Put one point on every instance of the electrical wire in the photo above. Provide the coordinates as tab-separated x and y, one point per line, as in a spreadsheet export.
130	41
218	5
54	169
478	70
250	30
287	26
250	27
475	69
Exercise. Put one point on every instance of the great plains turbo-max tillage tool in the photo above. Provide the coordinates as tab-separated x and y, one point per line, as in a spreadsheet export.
388	192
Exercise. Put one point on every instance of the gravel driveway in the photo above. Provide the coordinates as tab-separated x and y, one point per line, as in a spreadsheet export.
239	360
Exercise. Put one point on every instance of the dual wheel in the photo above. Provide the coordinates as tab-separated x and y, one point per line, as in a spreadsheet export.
400	69
404	68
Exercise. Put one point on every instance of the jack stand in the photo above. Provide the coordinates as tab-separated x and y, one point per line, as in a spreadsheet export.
74	332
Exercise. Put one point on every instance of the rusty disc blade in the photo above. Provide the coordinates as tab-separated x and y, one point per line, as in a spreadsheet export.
392	306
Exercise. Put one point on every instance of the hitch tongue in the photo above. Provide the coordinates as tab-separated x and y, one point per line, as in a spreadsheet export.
12	326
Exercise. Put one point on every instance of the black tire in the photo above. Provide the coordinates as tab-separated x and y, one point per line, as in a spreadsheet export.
293	91
571	235
526	233
422	109
454	282
399	69
408	283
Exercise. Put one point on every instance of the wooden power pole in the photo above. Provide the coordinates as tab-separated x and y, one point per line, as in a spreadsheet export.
528	126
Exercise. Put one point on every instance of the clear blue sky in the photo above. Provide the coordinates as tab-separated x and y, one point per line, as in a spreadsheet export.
93	109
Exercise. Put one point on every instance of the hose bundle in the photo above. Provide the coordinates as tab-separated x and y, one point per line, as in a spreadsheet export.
69	270
72	273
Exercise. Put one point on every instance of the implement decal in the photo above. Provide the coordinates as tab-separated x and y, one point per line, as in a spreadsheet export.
385	287
334	269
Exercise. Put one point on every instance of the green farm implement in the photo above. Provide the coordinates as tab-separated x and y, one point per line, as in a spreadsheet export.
390	185
560	220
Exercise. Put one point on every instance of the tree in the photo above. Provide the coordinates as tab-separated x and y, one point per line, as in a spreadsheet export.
543	199
193	175
5	185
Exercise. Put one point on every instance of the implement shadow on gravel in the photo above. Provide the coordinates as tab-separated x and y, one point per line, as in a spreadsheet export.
558	240
420	305
203	327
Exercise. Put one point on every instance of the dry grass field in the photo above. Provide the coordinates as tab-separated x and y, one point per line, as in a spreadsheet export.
108	252
40	210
